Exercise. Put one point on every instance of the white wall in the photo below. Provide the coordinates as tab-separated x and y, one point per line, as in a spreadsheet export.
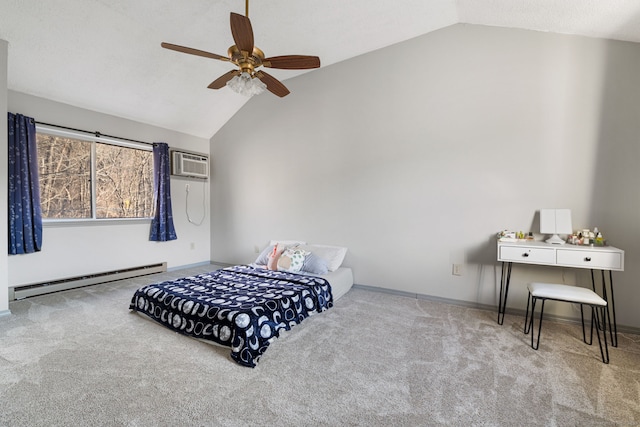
4	242
415	155
78	249
615	196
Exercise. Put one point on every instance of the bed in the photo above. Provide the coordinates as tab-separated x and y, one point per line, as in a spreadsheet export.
244	307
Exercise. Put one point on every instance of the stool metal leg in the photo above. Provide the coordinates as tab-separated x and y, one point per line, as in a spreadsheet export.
594	314
584	335
533	307
527	326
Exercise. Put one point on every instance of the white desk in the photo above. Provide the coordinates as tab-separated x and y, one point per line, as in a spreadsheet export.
602	258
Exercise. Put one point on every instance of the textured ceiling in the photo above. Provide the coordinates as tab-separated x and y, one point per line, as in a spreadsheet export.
105	55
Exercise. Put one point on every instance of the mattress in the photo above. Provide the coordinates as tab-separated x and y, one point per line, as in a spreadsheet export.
340	280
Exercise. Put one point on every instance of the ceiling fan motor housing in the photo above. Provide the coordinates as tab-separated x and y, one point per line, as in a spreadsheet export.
247	63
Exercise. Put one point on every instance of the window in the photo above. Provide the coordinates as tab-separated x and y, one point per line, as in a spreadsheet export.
83	177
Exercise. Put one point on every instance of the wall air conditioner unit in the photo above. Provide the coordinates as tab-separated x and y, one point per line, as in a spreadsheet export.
189	165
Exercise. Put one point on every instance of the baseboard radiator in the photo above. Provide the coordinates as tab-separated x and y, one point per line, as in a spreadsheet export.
25	291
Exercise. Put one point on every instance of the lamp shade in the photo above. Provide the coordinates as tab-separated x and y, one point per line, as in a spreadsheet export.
555	221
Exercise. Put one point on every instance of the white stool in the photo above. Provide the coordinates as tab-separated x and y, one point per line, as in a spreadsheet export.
567	293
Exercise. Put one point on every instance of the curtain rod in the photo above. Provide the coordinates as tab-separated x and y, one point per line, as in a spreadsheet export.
95	133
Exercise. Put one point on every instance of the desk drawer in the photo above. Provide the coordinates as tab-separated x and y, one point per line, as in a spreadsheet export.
601	260
527	255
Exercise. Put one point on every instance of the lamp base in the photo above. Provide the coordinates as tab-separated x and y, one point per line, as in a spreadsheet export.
555	240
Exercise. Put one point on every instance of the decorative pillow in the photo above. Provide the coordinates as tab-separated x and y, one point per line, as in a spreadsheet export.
274	256
263	258
333	255
314	264
292	260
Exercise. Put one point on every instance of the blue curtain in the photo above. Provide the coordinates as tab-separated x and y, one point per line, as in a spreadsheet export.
25	215
162	228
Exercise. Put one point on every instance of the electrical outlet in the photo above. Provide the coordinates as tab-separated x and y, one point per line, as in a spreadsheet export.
256	249
457	270
193	245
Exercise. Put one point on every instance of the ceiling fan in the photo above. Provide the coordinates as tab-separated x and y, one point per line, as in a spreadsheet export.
247	57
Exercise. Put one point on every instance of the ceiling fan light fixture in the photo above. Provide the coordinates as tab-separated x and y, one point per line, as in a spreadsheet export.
246	85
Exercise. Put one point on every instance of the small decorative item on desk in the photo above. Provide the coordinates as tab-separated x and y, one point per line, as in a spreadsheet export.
598	238
507	236
587	237
514	236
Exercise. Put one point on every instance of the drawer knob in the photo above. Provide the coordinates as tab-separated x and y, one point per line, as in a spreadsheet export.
525	254
587	259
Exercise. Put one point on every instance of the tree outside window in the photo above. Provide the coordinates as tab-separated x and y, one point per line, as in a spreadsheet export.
121	187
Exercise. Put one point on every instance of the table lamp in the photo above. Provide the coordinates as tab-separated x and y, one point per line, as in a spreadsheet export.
554	222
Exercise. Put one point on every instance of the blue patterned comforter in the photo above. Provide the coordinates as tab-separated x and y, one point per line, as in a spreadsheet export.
241	307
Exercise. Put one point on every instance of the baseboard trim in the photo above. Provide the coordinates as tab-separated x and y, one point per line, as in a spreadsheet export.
621	328
427	297
224	264
19	292
197	264
5	313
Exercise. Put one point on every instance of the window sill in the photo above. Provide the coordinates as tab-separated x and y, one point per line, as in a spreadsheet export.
52	223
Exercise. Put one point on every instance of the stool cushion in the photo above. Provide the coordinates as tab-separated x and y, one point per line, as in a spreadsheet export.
566	293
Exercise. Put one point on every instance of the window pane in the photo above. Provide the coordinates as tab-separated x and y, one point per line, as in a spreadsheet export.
65	174
124	187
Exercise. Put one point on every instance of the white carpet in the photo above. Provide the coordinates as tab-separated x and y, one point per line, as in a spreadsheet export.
81	358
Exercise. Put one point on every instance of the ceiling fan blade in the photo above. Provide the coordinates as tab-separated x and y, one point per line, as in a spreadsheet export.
292	62
193	51
221	81
242	32
273	85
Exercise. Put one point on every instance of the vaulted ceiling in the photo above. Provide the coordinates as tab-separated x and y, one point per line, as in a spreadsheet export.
105	55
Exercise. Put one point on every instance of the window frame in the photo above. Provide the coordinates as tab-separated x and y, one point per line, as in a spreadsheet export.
93	138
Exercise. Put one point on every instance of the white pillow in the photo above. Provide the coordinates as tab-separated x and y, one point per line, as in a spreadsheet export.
333	255
287	242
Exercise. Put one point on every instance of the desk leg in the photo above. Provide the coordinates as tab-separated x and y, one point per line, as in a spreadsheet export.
611	307
614	339
505	278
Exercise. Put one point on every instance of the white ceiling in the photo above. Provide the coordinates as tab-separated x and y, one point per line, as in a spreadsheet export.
105	55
